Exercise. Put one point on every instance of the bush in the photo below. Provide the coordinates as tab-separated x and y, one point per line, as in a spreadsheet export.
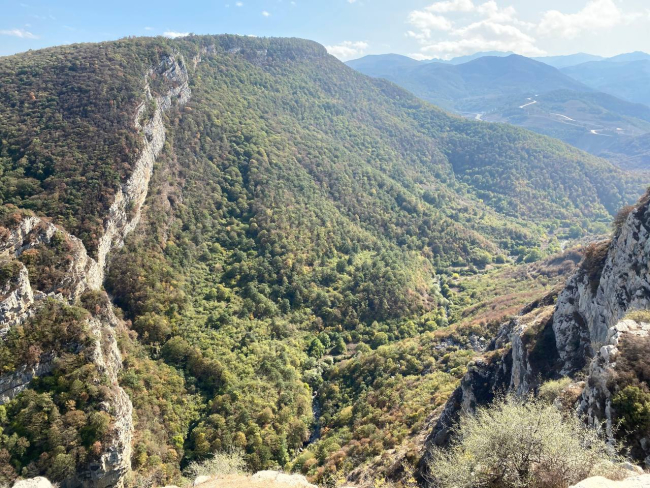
632	406
220	464
551	390
621	217
518	443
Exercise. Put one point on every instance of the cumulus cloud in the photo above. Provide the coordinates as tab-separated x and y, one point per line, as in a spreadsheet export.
23	34
347	49
596	15
456	27
174	35
266	14
452	6
426	22
485	27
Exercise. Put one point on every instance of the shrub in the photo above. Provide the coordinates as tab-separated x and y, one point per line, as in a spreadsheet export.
594	262
638	316
220	464
621	217
632	406
551	390
517	443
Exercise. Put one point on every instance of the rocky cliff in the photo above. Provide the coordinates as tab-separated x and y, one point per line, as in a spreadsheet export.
83	273
579	333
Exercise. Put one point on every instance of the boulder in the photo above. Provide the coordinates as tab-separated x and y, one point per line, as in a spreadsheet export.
38	482
642	481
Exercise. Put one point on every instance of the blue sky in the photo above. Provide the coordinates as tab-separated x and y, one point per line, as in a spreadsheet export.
349	28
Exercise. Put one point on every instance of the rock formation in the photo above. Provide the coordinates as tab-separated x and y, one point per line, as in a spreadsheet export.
582	330
85	273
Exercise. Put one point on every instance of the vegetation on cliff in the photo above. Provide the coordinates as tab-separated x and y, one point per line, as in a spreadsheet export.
308	232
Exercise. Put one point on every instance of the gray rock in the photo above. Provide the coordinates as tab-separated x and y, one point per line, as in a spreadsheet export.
38	482
288	480
86	273
200	480
642	481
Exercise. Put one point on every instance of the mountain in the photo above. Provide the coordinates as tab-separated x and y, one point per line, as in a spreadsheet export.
478	85
379	65
595	122
383	65
529	94
223	243
625	58
472	57
628	80
587	342
630	153
568	60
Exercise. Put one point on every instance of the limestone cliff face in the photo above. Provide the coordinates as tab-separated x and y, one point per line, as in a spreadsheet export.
590	305
85	273
596	399
582	330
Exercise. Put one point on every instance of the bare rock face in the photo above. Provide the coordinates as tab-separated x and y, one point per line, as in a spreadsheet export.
85	273
12	384
506	366
590	305
38	482
596	400
583	328
642	481
18	298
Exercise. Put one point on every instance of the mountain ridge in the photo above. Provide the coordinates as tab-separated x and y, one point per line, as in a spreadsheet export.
297	238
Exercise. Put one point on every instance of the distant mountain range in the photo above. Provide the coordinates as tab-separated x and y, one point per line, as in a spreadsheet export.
478	85
590	102
628	77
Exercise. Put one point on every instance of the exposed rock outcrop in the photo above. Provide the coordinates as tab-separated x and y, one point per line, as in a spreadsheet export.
18	298
38	482
642	481
581	330
85	273
596	400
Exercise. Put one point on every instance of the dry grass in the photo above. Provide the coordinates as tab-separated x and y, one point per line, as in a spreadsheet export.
241	481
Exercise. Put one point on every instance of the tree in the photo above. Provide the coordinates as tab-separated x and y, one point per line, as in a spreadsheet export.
518	443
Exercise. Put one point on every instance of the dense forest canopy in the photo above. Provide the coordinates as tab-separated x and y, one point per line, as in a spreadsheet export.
297	274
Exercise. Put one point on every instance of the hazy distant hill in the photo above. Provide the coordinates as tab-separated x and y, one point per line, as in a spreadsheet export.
568	60
593	121
479	85
627	79
534	95
383	65
627	57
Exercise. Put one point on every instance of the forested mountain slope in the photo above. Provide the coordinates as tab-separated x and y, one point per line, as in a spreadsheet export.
290	228
528	93
474	86
626	77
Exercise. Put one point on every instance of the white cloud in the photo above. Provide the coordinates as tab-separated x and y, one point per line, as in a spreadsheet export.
452	6
23	34
426	22
148	28
174	35
239	4
347	49
484	27
266	14
596	15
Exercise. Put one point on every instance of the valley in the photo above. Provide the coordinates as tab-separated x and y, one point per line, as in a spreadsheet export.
497	87
236	255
